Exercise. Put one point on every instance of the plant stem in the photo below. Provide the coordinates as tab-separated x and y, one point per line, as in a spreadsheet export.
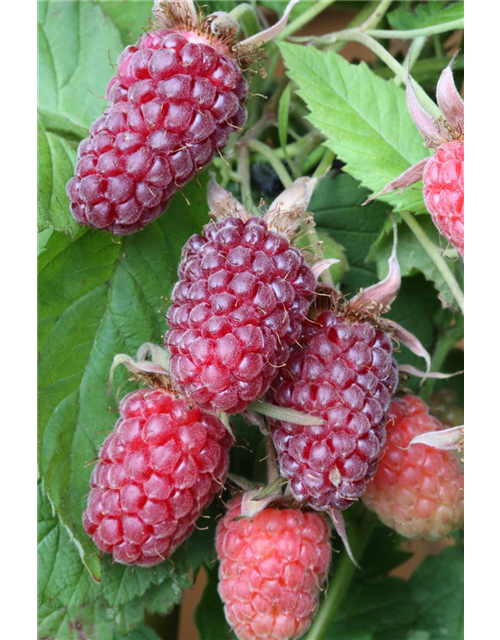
272	465
342	579
376	16
244	171
435	254
444	345
272	158
325	164
245	14
415	33
412	56
309	14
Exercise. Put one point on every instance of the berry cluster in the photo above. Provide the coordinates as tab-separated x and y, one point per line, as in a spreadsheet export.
247	322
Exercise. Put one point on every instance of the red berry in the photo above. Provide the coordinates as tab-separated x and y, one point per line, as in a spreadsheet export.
242	295
272	567
345	374
161	466
417	492
175	100
444	192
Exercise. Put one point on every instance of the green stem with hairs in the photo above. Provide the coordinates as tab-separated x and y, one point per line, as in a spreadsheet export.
412	56
309	14
443	346
244	171
343	576
416	33
270	155
435	254
325	164
376	16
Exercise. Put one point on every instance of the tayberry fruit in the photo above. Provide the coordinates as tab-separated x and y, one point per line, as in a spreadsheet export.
418	491
238	307
272	567
343	371
160	467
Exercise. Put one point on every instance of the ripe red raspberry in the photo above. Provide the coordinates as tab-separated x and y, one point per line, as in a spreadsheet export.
444	192
161	466
345	374
175	100
417	492
242	295
272	567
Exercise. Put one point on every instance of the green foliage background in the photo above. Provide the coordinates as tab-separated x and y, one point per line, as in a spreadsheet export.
99	296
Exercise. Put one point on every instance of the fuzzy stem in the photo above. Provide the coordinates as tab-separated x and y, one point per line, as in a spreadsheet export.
435	254
412	56
272	465
272	158
343	576
415	33
247	18
309	14
325	164
443	347
376	16
244	171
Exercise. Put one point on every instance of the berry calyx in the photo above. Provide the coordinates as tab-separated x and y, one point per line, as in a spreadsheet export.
272	567
418	489
160	467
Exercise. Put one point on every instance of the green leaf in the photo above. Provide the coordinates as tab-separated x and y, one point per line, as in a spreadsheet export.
62	578
414	259
131	17
76	42
364	118
336	205
374	609
56	161
97	298
426	14
438	589
283	112
141	633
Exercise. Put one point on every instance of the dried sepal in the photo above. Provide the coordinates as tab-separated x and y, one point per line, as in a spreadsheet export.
406	179
339	525
261	38
435	375
400	334
323	265
382	294
289	209
425	123
152	372
223	204
170	13
446	439
285	415
256	500
449	100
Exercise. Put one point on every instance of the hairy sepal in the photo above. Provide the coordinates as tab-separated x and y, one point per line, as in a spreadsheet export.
446	439
449	100
268	34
